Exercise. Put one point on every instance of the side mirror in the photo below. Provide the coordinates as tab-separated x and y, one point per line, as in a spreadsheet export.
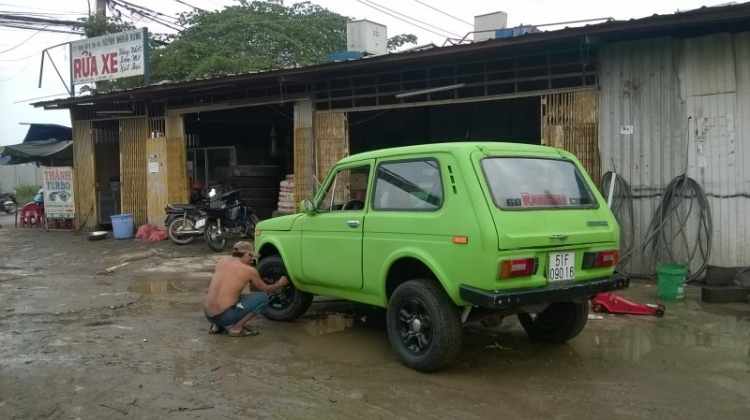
307	207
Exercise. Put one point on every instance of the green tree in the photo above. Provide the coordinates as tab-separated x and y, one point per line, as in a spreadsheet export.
249	36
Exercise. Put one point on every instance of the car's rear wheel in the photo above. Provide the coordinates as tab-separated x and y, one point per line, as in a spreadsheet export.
288	303
424	326
558	323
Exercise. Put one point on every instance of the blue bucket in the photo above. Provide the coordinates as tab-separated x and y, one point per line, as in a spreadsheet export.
122	225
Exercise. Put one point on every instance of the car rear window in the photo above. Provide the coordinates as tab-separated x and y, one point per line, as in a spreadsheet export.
536	183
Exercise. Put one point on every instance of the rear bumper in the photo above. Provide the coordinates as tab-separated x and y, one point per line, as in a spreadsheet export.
511	298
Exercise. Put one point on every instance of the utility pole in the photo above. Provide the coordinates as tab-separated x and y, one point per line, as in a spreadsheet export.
101	8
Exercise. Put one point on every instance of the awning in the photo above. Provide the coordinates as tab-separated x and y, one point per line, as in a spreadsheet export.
39	149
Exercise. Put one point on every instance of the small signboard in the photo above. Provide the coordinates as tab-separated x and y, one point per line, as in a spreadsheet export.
58	192
109	57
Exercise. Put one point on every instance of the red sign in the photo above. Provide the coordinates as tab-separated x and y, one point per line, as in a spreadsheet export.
536	200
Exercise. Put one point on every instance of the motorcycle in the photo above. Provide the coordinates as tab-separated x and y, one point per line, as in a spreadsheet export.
8	202
180	222
234	219
181	218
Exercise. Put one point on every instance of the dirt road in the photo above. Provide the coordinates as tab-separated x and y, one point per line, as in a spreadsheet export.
75	344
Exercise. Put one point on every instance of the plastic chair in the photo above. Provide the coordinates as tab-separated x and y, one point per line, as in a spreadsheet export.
31	214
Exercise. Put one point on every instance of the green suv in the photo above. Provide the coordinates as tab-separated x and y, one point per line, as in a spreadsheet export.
445	234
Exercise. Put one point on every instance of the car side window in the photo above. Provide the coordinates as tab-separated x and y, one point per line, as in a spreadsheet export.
347	190
413	185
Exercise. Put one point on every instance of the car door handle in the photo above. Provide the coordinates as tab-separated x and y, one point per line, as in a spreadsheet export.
353	223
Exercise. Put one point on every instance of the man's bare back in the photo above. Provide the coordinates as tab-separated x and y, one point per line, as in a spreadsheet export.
225	305
230	279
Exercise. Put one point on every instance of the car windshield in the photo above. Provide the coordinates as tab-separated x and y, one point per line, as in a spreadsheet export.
536	183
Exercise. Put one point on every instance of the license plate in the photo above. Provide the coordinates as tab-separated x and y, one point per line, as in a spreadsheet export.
200	223
561	266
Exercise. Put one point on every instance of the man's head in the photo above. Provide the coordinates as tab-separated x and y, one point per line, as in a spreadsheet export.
245	251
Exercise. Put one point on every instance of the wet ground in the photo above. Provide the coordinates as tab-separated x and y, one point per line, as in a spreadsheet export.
76	342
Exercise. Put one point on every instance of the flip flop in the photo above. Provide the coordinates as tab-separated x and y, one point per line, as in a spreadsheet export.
242	333
218	329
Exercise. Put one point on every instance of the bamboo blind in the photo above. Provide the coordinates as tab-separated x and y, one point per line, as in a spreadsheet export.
304	167
570	121
331	141
83	179
133	166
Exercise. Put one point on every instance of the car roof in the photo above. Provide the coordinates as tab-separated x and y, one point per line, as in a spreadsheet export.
456	147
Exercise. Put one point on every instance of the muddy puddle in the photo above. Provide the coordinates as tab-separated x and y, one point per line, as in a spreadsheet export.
154	284
329	324
635	342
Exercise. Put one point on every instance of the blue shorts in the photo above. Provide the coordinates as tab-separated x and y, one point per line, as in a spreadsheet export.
253	303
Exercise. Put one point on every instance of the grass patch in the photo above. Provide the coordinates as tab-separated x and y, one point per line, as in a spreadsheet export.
25	194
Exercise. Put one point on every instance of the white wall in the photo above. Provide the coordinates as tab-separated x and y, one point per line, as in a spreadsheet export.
14	176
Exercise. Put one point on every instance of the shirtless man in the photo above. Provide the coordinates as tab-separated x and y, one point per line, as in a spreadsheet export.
226	308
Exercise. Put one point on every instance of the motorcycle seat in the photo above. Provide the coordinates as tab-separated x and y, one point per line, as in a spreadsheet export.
181	206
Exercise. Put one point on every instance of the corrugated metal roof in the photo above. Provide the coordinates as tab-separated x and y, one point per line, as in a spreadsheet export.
702	16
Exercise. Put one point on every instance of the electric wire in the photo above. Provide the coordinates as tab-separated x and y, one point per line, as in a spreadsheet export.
401	19
24	41
411	18
190	5
446	14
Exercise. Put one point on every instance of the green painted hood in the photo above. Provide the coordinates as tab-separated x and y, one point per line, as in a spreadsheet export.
283	223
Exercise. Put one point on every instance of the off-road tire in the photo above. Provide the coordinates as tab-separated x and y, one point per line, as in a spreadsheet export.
445	326
270	269
184	240
558	323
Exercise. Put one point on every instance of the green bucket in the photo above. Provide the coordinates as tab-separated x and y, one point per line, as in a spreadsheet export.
671	281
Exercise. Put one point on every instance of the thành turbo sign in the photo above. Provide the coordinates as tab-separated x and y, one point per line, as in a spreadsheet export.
109	57
58	192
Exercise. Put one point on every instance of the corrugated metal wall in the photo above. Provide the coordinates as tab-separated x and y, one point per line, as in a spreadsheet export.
668	90
84	192
133	166
14	176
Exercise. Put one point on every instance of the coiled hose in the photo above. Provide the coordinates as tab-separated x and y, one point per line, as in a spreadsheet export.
622	207
684	202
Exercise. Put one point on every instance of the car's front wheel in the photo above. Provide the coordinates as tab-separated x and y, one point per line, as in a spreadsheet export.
558	323
288	303
424	326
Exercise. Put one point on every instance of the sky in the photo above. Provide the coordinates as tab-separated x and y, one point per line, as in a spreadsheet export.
20	50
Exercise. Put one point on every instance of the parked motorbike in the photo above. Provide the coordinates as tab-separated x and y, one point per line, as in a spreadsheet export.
234	219
180	222
181	218
8	202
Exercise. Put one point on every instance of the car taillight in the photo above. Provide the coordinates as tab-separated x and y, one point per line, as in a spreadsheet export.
518	268
600	259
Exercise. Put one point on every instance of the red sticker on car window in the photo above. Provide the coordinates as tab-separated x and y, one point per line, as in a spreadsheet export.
533	200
